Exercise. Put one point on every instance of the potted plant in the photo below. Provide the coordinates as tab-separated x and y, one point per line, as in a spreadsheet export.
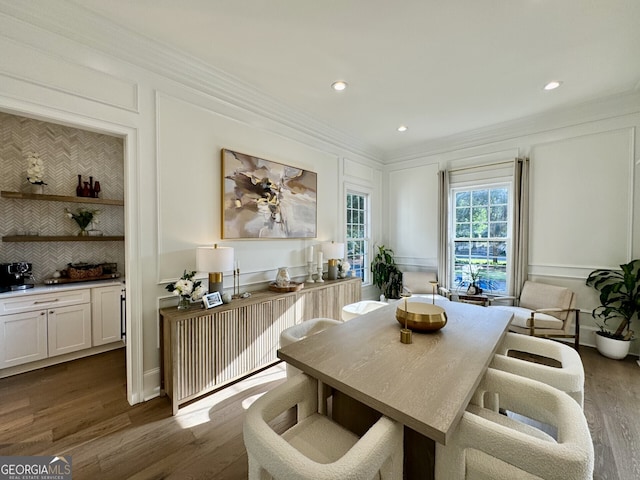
619	299
386	275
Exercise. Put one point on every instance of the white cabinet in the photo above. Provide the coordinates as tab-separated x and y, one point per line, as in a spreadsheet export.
23	338
69	329
38	326
105	314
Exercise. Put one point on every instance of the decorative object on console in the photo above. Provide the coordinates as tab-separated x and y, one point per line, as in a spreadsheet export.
83	218
282	277
343	268
334	253
35	172
265	199
320	268
187	289
212	300
214	260
310	269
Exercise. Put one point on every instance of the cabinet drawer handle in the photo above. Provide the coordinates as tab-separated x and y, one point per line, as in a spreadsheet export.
45	301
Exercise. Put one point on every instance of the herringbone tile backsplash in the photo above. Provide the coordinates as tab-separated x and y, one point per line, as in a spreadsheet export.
66	153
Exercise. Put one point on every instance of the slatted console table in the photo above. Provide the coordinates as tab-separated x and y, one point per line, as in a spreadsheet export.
203	350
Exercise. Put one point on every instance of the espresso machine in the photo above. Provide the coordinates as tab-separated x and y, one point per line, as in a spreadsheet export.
15	276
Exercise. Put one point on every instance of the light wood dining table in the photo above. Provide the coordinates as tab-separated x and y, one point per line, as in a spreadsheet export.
425	385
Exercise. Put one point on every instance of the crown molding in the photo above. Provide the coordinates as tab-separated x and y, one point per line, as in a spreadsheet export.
72	21
627	103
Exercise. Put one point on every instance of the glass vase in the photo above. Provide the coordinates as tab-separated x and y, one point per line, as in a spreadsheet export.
184	303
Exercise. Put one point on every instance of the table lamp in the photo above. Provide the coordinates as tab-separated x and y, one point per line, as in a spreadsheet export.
214	260
333	251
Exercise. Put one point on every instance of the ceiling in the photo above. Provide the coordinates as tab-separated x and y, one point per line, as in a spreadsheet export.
439	67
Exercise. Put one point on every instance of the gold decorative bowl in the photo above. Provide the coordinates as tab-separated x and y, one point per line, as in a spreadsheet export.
421	317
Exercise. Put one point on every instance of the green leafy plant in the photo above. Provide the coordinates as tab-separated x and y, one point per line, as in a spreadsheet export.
619	297
386	275
83	216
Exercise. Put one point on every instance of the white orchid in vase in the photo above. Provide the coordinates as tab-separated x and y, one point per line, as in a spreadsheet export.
35	169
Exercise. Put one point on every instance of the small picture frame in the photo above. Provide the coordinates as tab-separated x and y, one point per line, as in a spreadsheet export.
211	300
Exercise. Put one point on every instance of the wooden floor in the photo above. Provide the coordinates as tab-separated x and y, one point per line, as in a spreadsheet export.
79	409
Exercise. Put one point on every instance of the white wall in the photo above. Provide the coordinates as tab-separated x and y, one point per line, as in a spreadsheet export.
584	192
175	117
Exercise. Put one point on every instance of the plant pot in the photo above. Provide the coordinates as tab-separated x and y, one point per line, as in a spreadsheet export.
612	347
37	188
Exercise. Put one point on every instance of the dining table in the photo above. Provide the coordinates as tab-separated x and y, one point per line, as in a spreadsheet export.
425	385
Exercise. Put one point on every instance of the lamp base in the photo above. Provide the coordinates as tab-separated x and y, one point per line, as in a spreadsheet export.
215	282
332	272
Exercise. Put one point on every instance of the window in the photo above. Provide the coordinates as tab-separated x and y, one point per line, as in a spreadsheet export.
358	234
481	235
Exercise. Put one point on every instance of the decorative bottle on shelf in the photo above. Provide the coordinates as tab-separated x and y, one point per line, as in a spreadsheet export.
86	192
96	189
79	188
91	187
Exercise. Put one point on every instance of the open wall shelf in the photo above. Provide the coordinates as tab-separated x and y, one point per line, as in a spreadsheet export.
60	198
65	238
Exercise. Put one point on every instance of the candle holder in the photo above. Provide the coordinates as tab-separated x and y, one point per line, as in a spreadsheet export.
320	280
434	287
236	279
310	271
405	333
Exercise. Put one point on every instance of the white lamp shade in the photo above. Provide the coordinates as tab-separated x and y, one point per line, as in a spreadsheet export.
333	250
214	259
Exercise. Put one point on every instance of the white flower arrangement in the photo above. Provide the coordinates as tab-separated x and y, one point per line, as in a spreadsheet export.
35	170
343	268
186	287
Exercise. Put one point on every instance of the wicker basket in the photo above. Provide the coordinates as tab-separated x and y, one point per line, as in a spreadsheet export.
80	271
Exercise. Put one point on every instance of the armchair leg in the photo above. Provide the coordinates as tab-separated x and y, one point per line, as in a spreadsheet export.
531	326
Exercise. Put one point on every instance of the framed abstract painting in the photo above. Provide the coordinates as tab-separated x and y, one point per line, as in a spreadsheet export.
265	199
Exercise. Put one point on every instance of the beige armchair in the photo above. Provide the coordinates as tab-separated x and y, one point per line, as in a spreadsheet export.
545	310
420	284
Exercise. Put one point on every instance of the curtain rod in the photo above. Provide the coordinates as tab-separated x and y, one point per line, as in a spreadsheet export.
473	167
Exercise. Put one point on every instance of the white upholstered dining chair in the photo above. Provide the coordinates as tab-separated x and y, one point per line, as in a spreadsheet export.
568	376
316	448
296	333
353	310
489	445
545	310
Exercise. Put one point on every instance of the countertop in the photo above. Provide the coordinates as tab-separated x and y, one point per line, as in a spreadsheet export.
41	288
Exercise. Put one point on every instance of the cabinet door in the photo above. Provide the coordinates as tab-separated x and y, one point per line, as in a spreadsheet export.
23	338
69	329
105	315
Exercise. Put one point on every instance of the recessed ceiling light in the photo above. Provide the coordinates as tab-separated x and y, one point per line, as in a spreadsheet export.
339	85
403	128
552	85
